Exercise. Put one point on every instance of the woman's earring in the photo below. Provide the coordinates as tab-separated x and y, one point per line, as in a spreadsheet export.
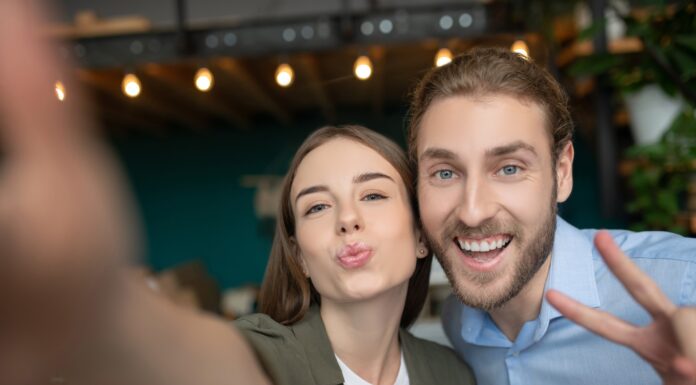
421	251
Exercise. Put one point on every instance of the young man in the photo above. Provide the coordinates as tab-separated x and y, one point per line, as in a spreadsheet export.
491	133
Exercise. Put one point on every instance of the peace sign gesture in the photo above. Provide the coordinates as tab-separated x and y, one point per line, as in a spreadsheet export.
668	343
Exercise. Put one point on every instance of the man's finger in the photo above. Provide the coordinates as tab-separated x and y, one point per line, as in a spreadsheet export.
641	287
685	368
596	321
684	323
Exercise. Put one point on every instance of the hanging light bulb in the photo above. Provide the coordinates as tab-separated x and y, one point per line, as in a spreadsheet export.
443	56
521	48
60	90
284	75
131	85
363	67
203	79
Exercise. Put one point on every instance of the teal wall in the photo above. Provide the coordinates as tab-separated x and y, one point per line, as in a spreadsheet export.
193	206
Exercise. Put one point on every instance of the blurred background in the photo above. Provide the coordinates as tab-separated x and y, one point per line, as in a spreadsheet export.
206	101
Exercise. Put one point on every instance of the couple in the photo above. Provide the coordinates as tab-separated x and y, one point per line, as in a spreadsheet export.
490	134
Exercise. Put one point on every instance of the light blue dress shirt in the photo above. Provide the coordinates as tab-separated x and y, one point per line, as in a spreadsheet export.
553	350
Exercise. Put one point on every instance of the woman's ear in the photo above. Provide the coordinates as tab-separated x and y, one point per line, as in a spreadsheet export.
300	258
421	245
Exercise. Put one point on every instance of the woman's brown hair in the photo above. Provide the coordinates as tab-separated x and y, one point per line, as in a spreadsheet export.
286	293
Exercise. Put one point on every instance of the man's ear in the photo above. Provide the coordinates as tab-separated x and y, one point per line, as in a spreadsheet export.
564	172
296	251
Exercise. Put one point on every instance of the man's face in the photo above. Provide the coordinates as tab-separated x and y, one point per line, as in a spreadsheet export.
488	189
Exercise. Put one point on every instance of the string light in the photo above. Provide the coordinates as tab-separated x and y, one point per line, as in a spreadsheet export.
521	48
443	56
131	85
363	67
203	79
60	90
284	75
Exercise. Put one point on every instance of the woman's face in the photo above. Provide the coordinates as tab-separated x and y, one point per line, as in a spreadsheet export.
353	221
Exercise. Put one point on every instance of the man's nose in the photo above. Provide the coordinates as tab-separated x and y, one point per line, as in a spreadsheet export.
478	203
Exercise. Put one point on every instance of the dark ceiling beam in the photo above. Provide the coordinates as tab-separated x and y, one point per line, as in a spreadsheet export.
308	34
377	55
310	71
167	81
233	71
146	101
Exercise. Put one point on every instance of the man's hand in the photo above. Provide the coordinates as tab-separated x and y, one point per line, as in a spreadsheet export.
668	343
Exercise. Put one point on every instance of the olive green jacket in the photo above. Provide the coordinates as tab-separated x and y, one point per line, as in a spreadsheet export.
301	354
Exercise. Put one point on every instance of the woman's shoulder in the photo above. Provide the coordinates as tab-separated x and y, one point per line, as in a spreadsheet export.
262	324
281	354
434	361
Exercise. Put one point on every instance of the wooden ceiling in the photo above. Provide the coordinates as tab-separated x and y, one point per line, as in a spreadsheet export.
245	91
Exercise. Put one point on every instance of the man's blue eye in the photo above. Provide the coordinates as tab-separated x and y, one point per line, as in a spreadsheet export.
510	170
445	174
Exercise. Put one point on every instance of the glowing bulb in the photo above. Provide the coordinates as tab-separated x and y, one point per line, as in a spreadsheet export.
443	56
362	68
131	85
521	48
203	79
60	91
284	75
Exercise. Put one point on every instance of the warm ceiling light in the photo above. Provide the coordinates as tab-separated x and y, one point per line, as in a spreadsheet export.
203	79
521	48
60	91
443	56
362	68
284	75
131	85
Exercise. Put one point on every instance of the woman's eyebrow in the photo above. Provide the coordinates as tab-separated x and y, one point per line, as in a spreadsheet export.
311	190
368	176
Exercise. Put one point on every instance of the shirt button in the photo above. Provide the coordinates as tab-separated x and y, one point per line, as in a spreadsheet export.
515	353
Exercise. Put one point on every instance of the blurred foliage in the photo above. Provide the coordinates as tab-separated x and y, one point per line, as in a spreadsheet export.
661	175
667	31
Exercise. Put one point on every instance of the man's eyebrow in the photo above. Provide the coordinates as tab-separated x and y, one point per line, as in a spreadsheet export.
311	190
438	153
368	176
510	148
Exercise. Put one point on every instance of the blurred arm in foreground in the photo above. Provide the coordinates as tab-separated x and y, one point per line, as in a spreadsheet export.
67	233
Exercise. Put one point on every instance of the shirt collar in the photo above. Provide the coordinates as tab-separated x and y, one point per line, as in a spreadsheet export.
571	272
572	269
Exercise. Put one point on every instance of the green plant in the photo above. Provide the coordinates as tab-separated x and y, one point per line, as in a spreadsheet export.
668	35
660	176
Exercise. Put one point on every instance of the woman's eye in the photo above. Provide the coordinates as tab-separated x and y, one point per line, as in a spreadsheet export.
509	170
373	197
444	174
317	208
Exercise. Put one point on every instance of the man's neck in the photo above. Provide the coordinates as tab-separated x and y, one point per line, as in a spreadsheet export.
524	307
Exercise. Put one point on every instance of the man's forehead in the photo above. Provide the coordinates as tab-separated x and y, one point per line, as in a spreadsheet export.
461	124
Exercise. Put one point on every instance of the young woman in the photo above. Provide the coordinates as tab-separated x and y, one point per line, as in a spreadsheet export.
348	271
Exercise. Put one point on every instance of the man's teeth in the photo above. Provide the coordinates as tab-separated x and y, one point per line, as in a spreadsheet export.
483	246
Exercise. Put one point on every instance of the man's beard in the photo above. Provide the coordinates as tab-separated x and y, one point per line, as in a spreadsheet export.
533	254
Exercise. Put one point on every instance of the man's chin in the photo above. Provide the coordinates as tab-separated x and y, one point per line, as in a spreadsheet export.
487	296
